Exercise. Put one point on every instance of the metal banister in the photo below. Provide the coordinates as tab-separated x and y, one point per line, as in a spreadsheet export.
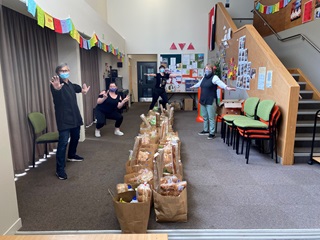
304	37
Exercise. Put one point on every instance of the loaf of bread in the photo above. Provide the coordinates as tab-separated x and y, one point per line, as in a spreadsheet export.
122	187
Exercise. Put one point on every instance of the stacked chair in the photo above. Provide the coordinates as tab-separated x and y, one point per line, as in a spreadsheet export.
249	109
258	122
263	128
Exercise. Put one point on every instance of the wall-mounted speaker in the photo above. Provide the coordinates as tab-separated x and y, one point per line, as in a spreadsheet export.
119	64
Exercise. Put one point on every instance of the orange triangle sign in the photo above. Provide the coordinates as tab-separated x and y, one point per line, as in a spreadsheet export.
190	47
173	47
181	45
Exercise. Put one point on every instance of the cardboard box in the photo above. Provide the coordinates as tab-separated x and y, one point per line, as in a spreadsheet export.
230	106
188	104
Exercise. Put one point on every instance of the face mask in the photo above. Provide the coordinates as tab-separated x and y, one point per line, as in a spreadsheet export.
64	75
207	72
112	89
162	70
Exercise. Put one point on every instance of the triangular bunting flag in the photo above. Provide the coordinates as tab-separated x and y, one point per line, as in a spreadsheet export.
181	45
173	47
190	47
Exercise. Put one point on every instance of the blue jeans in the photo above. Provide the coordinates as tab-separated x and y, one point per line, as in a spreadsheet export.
74	134
208	112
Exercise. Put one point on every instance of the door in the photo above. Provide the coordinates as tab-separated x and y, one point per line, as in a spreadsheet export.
146	83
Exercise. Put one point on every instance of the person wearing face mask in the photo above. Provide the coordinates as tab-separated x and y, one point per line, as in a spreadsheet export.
208	98
68	117
109	103
160	86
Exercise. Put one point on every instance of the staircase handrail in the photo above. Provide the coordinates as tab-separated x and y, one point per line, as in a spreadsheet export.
304	37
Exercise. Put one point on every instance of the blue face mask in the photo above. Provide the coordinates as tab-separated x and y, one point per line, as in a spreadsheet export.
207	72
162	70
64	75
112	89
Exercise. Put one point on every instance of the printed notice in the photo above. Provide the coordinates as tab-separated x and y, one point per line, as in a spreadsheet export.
269	79
262	77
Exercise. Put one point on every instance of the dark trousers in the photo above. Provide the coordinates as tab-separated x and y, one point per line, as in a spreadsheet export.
74	134
159	92
101	118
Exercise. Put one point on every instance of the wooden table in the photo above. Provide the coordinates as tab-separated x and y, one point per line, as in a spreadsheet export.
88	237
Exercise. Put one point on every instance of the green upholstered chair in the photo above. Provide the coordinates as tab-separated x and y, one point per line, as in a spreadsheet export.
40	134
249	109
263	129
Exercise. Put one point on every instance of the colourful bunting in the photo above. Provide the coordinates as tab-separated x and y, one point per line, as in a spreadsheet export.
66	26
271	8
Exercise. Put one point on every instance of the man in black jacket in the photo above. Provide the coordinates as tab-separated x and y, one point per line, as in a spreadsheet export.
68	117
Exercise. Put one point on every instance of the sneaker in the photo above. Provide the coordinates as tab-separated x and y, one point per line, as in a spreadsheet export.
211	136
62	176
97	133
75	158
203	133
118	132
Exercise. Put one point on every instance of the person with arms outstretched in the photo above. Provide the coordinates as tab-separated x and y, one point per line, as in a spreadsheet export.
68	117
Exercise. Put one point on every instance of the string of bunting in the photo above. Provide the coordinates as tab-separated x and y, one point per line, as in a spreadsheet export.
67	26
270	9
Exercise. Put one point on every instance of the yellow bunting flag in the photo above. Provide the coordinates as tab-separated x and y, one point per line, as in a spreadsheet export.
48	21
277	7
40	16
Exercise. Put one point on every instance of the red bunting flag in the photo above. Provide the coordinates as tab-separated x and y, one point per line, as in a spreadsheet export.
57	25
281	4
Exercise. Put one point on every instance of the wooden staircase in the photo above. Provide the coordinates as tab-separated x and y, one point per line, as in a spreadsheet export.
309	104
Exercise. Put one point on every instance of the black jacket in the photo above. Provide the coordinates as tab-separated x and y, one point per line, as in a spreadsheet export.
65	104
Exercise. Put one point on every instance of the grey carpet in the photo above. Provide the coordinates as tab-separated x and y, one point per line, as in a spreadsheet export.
223	191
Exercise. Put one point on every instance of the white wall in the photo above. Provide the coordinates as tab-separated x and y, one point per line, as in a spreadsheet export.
100	6
150	27
298	53
9	216
85	19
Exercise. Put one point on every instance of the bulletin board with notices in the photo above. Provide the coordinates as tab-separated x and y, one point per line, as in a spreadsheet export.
189	66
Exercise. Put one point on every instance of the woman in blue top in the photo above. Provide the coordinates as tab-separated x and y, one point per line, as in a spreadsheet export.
160	86
108	105
208	98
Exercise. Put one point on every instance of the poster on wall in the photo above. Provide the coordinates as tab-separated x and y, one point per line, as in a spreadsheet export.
307	12
317	10
261	77
188	66
295	10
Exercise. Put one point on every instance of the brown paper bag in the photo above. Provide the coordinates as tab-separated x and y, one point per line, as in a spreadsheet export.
169	208
132	217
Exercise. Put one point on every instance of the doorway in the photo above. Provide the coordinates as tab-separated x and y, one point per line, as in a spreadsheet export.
145	83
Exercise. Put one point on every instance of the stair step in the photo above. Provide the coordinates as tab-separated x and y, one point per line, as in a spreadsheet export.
302	85
309	104
295	76
306	114
306	94
304	151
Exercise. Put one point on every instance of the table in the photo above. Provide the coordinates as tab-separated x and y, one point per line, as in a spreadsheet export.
193	95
